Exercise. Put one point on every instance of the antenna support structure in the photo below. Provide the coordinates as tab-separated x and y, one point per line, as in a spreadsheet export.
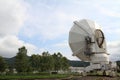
88	43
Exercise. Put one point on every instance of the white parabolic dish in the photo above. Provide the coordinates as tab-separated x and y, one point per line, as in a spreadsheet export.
87	41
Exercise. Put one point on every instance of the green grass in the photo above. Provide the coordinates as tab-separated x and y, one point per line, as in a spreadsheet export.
16	77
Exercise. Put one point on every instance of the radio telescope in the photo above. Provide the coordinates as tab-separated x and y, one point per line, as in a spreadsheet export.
87	42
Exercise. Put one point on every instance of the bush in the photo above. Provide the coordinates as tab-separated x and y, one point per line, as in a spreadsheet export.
54	72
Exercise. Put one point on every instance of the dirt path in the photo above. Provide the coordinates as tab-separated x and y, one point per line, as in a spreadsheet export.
85	78
96	78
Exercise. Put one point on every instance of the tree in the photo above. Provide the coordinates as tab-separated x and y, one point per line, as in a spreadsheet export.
3	64
60	62
35	62
57	61
65	63
42	62
21	60
46	62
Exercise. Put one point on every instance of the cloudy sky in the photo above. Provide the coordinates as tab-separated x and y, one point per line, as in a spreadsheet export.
43	25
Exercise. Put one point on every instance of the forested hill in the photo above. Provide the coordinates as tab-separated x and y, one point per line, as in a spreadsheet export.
10	61
73	63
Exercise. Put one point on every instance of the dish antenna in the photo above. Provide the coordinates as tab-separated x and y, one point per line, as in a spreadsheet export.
87	42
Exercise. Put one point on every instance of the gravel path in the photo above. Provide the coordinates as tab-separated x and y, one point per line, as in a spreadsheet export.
96	78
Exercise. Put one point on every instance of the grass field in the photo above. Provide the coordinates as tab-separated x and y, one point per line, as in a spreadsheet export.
19	77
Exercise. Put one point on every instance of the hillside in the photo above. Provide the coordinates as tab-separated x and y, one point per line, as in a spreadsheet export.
74	63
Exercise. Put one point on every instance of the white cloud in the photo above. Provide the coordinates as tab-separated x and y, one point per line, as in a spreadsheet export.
64	48
9	46
50	25
109	13
12	16
63	44
52	21
114	30
114	49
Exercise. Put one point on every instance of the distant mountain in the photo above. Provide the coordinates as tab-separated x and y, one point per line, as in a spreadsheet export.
10	61
75	63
